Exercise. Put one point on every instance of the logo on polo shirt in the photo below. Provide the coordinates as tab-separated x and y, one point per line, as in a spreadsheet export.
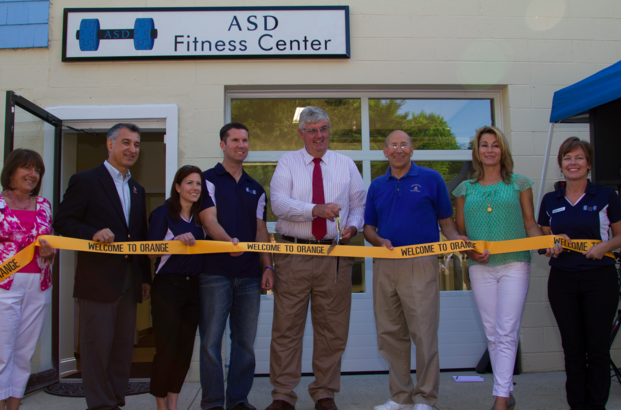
416	188
590	208
252	191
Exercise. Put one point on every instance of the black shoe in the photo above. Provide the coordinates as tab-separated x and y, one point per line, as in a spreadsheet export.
243	406
280	405
326	404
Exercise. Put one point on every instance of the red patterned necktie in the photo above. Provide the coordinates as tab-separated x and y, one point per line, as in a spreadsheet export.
320	227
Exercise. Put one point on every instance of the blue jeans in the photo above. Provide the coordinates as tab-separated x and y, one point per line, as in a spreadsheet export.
220	297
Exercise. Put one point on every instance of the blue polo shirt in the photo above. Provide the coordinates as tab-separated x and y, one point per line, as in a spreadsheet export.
162	227
406	210
590	218
239	205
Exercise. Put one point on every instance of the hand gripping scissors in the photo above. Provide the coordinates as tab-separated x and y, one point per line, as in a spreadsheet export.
335	242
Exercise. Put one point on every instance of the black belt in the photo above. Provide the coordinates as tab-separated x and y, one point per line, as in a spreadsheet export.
307	241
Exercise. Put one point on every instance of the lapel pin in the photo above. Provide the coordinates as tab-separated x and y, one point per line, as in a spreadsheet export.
135	190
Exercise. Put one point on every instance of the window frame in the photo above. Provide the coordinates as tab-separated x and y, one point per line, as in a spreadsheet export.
366	154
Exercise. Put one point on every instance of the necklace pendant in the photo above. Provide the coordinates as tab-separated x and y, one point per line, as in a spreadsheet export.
489	209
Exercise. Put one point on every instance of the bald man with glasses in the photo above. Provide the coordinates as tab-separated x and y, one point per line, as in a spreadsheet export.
406	206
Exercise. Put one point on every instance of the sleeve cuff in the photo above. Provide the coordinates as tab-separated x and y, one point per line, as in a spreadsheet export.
308	211
88	233
356	223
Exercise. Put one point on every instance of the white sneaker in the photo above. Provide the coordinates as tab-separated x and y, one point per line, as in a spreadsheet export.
422	406
391	405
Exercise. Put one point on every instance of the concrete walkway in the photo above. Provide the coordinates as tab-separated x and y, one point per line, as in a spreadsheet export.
533	391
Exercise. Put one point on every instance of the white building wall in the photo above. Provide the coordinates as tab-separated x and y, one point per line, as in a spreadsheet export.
526	48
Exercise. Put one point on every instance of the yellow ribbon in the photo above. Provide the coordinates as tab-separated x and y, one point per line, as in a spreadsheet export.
22	258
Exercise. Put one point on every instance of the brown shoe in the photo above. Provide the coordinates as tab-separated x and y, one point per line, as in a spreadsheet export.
326	404
280	405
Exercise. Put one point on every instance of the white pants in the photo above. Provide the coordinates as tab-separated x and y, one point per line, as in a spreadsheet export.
500	293
23	310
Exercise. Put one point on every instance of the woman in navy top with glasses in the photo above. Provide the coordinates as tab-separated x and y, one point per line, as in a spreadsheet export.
582	288
175	301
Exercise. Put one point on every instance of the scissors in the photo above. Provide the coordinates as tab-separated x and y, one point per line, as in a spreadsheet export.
335	242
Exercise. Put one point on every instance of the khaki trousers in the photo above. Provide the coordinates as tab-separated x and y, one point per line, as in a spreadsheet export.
406	302
298	279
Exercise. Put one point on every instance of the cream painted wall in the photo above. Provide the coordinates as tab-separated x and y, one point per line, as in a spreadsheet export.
528	48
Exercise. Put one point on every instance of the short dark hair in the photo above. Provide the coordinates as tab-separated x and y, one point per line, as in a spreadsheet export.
224	131
20	158
572	144
113	132
174	203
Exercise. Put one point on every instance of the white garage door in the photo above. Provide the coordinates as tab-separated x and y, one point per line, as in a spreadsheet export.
462	341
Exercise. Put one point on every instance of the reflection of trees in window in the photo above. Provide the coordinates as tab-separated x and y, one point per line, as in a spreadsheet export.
272	127
262	173
428	130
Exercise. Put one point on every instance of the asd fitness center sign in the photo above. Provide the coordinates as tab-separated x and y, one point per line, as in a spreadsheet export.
205	32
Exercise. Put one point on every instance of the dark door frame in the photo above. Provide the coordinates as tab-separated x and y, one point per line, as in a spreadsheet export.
40	380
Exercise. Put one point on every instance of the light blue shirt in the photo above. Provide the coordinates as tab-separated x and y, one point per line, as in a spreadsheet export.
122	187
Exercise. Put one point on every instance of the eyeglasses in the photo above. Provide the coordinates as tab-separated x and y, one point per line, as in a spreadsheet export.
394	147
314	131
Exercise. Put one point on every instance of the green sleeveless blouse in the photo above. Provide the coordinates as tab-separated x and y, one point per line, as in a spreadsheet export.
505	222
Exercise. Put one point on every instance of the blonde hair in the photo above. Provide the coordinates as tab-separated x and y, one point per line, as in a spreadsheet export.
506	160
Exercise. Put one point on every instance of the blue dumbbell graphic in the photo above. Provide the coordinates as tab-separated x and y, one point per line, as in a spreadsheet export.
144	34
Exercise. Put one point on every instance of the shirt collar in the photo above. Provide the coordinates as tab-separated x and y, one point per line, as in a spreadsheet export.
220	170
115	173
413	172
591	189
308	158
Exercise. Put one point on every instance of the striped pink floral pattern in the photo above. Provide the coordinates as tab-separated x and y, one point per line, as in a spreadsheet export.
14	238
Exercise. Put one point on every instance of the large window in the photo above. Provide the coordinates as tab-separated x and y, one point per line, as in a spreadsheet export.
433	124
273	123
442	125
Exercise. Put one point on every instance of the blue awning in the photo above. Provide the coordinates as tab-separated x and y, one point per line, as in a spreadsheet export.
598	89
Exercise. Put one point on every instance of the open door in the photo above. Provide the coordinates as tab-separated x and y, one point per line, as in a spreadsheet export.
30	126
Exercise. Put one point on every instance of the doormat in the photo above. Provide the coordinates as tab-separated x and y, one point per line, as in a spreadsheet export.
139	370
76	389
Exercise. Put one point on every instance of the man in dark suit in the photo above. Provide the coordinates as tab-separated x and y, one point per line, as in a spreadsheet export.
105	205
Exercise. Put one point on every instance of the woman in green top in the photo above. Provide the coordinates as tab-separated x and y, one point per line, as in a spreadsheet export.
497	205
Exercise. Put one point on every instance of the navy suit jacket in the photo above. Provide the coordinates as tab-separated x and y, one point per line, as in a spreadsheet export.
90	204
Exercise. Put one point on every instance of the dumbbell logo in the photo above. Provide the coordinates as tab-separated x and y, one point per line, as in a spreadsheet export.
144	34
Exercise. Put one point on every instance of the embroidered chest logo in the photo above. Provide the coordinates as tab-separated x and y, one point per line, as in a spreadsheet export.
590	208
252	191
416	188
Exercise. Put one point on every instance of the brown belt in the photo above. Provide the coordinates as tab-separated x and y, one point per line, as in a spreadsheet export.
307	241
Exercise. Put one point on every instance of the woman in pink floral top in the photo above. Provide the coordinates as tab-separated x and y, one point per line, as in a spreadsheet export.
25	297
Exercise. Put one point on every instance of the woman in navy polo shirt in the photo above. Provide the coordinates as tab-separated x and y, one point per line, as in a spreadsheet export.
583	288
175	301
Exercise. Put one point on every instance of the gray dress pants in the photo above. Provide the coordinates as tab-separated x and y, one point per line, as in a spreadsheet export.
106	344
